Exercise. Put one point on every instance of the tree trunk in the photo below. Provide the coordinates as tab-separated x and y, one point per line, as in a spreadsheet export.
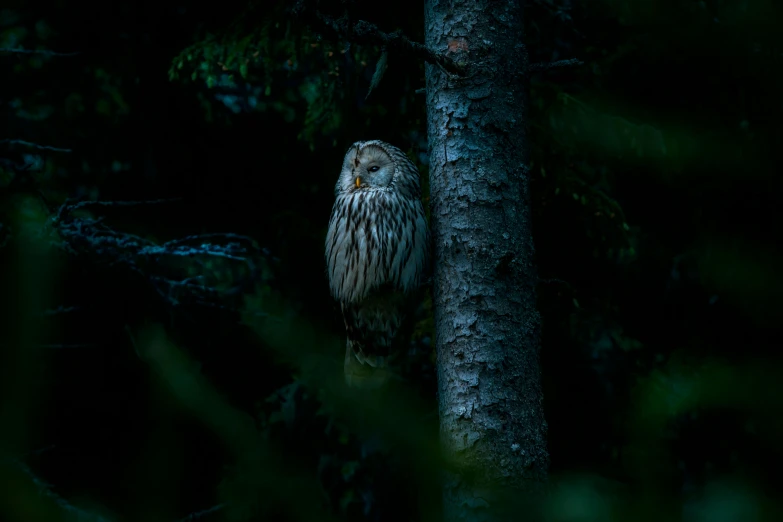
493	430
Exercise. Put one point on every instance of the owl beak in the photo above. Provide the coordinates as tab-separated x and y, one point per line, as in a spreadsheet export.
358	181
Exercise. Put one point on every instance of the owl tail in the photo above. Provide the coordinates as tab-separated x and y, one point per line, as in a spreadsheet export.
361	373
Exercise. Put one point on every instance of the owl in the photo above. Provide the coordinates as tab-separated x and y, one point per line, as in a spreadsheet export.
377	257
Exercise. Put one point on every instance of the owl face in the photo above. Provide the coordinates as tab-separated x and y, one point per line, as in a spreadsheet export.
366	167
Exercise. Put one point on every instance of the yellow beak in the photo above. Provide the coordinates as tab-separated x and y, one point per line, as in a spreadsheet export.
358	182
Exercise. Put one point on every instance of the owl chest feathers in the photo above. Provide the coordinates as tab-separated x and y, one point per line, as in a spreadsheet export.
375	238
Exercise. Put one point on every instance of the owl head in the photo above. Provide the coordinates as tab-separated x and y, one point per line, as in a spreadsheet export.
369	166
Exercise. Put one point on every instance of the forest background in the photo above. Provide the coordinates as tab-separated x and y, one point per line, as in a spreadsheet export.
180	356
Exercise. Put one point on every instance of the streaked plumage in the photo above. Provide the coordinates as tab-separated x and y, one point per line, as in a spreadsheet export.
377	254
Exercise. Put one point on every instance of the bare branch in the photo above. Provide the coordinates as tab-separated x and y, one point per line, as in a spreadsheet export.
34	145
362	32
34	51
559	64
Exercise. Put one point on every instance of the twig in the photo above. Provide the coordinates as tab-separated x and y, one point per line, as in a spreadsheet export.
129	331
34	51
35	453
60	346
363	32
198	515
68	206
16	167
34	145
95	203
559	64
61	310
553	280
64	346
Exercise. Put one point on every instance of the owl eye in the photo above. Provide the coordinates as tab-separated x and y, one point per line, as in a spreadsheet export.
374	168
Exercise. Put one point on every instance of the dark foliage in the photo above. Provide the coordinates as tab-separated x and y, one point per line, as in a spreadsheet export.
169	349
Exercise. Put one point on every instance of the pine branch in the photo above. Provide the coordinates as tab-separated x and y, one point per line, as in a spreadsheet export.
155	263
362	32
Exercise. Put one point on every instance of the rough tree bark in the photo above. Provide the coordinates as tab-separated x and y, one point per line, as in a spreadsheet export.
493	430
